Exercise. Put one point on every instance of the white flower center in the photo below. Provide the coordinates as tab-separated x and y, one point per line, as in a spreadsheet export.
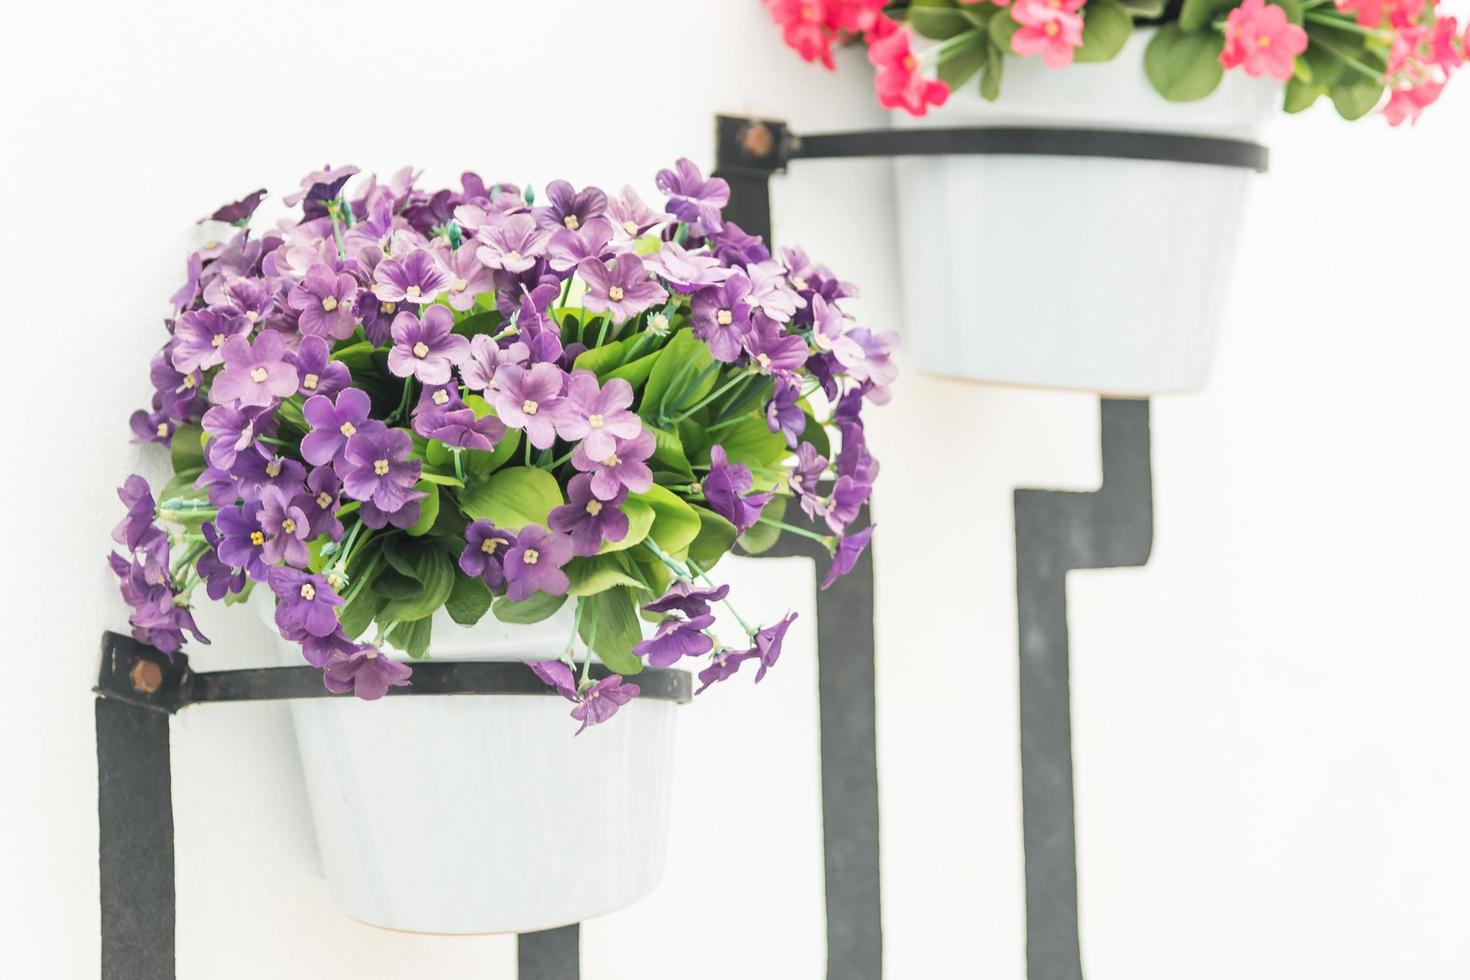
324	500
440	397
594	507
218	340
273	468
380	467
257	538
288	526
531	556
615	293
252	316
630	227
571	222
513	255
529	407
163	430
348	429
421	350
258	374
459	285
489	545
190	381
764	360
387	307
798	282
370	654
595	420
412	293
329	303
612	460
310	382
724	318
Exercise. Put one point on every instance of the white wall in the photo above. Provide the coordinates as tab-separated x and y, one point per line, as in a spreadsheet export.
1268	717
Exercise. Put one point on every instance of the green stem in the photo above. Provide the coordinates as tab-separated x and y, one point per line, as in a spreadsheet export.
707	399
728	604
1350	61
1343	24
680	572
591	648
602	334
804	532
664	408
458	453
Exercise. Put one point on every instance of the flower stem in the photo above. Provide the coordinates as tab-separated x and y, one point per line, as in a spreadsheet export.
664	410
591	648
706	399
680	572
728	604
1343	24
1350	61
804	532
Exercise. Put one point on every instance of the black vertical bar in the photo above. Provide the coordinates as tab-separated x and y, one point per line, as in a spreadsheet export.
135	842
1057	531
750	203
552	954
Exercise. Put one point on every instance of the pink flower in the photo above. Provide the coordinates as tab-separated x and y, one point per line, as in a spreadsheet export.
1406	104
1372	13
1050	28
1259	39
899	81
804	28
1446	47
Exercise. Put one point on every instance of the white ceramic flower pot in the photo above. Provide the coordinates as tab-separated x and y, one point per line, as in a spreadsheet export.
1090	273
484	814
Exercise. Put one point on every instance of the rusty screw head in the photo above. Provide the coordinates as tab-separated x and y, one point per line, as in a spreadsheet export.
758	141
146	676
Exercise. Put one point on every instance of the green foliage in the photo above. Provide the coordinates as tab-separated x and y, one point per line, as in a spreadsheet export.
715	538
1357	98
640	520
1105	29
675	523
430	567
468	600
990	78
610	628
599	573
1199	15
675	376
512	498
428	509
1181	66
411	637
762	537
532	609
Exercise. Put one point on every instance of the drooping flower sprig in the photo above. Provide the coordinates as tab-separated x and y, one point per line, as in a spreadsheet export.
401	401
1351	51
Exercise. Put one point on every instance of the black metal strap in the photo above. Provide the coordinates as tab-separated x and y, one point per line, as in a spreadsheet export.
139	674
762	147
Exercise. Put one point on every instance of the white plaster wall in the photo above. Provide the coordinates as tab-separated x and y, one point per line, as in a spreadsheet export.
1269	717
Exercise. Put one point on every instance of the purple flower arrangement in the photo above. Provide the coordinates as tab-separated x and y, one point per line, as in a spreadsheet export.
402	401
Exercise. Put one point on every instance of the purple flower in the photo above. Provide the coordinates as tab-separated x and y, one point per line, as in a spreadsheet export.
829	333
623	468
332	424
366	673
692	199
319	502
513	245
624	291
485	358
806	473
254	374
219	578
377	318
676	638
242	541
406	516
848	496
415	278
189	291
378	468
810	279
327	302
630	217
200	338
849	548
461	428
137	526
587	520
770	346
567	248
251	298
734	247
876	369
320	651
723	665
156	618
286	527
768	644
262	468
239	212
320	185
306	602
534	562
783	414
770	292
468	278
687	598
151	427
177	392
603	700
484	552
232	431
722	317
569	208
317	372
598	416
687	272
557	675
724	490
531	399
426	349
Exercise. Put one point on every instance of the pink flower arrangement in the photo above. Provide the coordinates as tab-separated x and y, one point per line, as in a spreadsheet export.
1355	52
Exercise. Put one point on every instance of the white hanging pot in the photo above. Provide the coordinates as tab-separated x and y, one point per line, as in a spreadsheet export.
1101	274
483	813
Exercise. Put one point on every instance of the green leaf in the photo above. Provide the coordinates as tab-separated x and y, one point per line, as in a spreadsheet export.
411	637
357	615
1356	100
468	600
668	454
685	358
1105	29
611	620
675	523
428	509
440	479
815	434
512	498
532	609
636	372
599	573
435	573
186	449
762	536
393	584
1293	10
1002	26
1300	96
1183	67
751	441
600	360
640	519
1197	15
965	59
487	322
938	23
1322	67
181	484
990	76
715	539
